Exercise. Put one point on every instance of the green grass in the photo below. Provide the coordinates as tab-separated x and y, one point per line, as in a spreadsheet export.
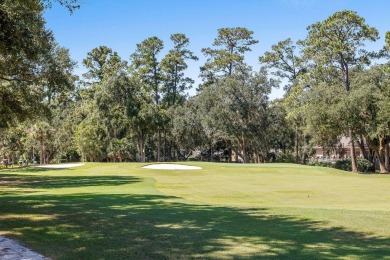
224	211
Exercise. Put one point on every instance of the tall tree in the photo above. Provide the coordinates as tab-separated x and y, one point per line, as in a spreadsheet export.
145	63
287	61
99	62
289	66
372	93
335	47
236	108
232	43
173	66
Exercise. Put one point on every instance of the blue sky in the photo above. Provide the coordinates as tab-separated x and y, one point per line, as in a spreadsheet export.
121	24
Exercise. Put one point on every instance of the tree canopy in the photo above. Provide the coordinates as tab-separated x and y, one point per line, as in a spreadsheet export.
138	108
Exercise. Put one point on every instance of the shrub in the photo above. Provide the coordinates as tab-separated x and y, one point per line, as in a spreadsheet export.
285	157
323	164
362	164
345	165
365	165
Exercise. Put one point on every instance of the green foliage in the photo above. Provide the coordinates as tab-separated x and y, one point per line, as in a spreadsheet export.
187	131
234	42
287	62
71	5
335	45
99	62
89	140
145	63
123	110
173	66
325	164
32	66
235	109
344	165
363	165
284	157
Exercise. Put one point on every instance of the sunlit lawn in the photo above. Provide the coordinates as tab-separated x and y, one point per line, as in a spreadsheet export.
270	211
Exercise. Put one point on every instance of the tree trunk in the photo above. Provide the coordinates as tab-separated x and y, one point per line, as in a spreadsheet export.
141	147
41	151
165	146
304	158
158	145
380	152
382	166
244	151
387	159
353	156
296	145
362	148
142	151
211	153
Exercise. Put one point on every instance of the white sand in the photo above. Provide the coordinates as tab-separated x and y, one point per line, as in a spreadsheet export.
166	166
12	250
61	166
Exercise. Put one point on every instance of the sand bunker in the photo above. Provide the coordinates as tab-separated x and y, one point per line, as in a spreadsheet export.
61	166
166	166
12	250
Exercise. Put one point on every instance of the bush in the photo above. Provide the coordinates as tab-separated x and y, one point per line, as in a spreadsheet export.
345	165
365	165
193	159
323	164
362	164
285	157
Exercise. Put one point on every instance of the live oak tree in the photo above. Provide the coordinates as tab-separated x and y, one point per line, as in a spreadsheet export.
58	77
235	109
187	130
27	57
71	5
23	44
373	96
335	48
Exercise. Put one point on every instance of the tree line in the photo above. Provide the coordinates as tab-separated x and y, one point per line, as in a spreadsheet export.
138	109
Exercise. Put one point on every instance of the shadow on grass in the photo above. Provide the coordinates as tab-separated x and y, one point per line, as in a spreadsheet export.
30	169
55	182
123	226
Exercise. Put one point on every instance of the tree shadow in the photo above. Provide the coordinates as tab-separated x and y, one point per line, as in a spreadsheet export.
55	182
30	169
122	226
